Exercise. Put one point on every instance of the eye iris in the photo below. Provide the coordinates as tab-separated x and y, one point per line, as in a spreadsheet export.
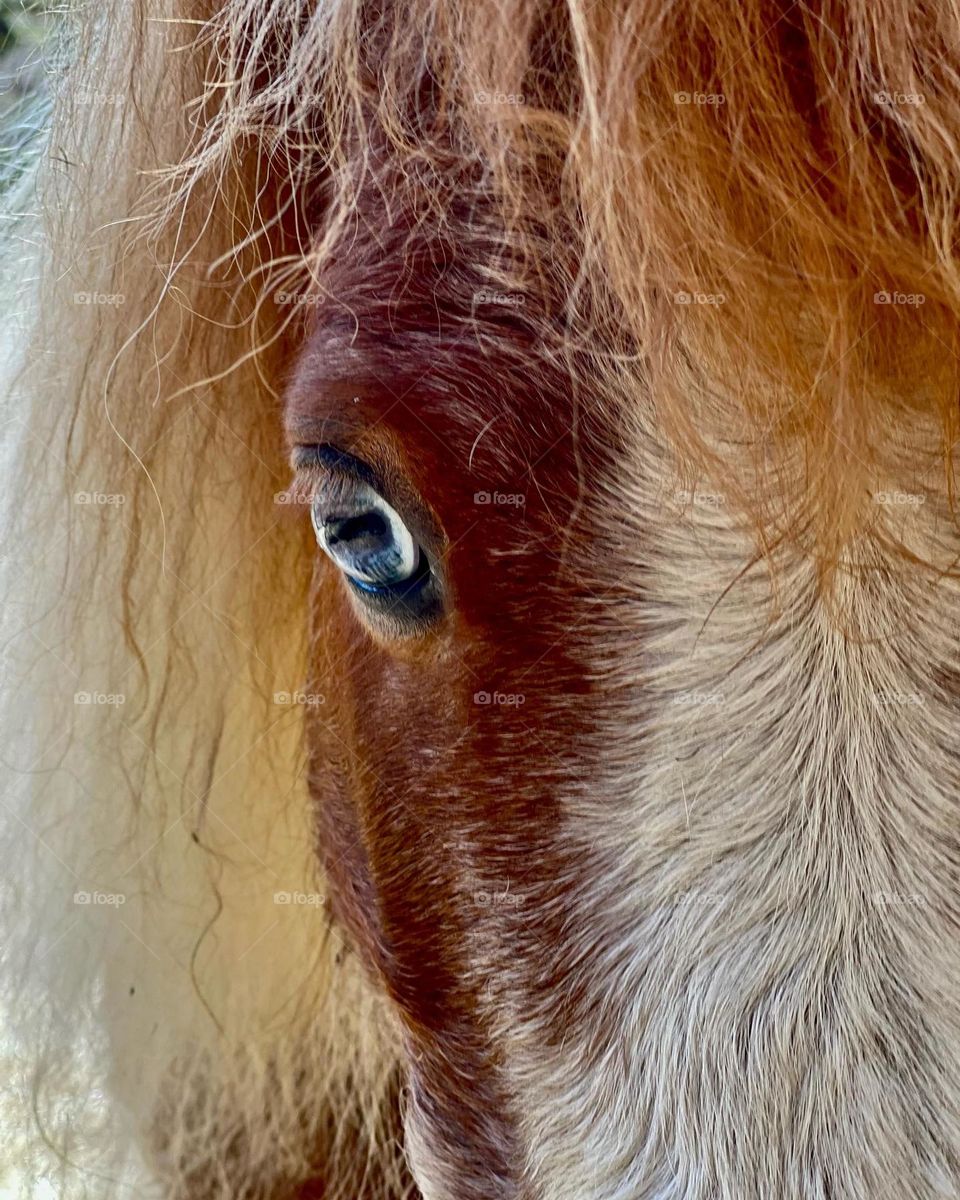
368	542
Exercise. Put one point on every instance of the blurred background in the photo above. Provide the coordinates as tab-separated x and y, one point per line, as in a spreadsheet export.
29	53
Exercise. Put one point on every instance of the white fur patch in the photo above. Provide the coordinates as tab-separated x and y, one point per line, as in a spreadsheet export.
768	911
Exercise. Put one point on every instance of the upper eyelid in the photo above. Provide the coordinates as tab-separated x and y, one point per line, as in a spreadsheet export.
309	459
323	468
330	457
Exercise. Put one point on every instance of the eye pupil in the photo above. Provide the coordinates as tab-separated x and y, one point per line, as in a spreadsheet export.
365	525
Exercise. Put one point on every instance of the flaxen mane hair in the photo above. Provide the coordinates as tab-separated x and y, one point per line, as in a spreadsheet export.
761	201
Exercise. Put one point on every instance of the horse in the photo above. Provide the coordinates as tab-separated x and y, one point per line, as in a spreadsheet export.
480	599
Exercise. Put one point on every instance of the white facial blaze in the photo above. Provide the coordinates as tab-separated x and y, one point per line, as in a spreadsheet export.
771	888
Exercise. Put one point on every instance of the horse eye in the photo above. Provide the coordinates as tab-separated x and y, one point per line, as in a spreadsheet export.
368	541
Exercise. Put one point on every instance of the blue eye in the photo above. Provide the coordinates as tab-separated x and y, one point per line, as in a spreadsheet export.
398	585
367	540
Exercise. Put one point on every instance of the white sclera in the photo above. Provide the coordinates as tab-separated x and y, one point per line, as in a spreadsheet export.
391	559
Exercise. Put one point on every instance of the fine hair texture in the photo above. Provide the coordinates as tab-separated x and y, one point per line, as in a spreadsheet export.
202	160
